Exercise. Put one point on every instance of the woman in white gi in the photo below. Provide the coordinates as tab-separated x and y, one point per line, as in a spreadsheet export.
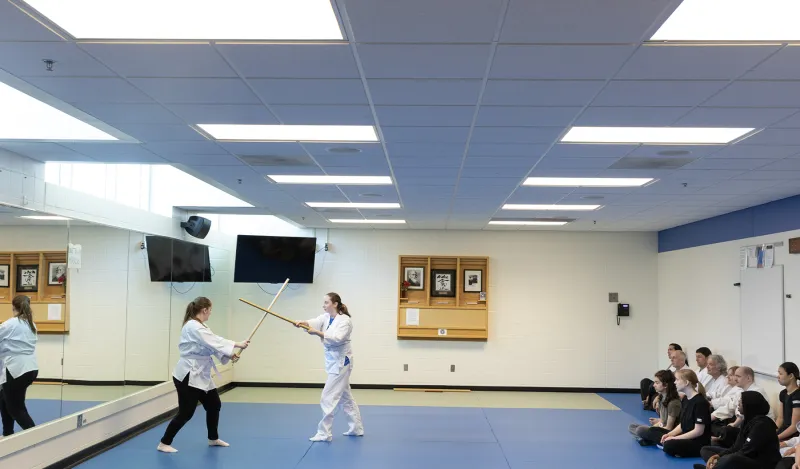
334	327
18	349
192	375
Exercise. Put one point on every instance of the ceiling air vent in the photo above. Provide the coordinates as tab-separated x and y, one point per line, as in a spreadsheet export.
633	162
273	160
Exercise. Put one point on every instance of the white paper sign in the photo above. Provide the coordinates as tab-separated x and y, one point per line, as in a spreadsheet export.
74	256
442	331
412	317
54	312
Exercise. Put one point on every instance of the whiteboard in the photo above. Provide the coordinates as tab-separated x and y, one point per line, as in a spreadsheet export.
762	319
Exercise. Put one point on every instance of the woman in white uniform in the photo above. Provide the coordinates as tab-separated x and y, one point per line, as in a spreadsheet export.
18	349
334	327
192	375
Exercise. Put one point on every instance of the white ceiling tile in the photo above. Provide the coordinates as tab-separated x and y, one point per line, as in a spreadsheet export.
490	162
90	90
224	113
507	149
657	93
130	113
540	93
197	90
733	117
323	115
486	182
437	116
443	21
368	194
707	174
775	137
792	122
426	149
330	149
424	61
538	195
185	148
516	134
788	164
424	92
425	180
291	60
18	26
728	163
477	172
351	161
382	170
630	116
581	21
781	66
426	161
562	62
738	187
161	60
426	134
756	151
576	163
45	151
204	160
24	59
537	172
694	151
113	152
450	173
570	150
264	148
160	132
701	200
491	196
758	94
501	116
693	63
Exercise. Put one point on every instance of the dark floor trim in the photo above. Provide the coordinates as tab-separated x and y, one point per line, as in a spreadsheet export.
415	386
116	440
78	382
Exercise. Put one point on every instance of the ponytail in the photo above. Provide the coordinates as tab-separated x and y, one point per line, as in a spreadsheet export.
691	377
193	308
341	308
702	390
22	305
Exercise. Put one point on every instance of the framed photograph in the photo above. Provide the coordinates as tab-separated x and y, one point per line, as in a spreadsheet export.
415	276
27	278
443	283
56	273
5	274
473	281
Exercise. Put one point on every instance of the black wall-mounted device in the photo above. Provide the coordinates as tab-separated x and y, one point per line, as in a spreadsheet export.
623	310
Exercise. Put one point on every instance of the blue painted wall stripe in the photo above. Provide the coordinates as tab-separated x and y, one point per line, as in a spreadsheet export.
773	217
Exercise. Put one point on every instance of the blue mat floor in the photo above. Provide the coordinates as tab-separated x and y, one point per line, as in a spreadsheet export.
276	436
45	410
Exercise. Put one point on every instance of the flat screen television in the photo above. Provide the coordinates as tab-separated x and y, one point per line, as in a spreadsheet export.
175	260
273	259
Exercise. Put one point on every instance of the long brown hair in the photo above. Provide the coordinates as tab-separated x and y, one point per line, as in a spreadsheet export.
194	308
340	308
22	305
668	380
691	377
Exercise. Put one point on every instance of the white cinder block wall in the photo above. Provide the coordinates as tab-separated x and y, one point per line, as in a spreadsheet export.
550	320
699	306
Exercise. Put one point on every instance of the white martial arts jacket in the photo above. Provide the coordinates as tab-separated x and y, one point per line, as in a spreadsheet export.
725	407
336	341
17	348
704	378
197	346
717	389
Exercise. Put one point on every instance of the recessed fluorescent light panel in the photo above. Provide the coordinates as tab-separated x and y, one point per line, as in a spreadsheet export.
367	222
352	205
291	133
655	135
247	20
529	222
23	117
732	21
337	180
550	207
45	217
585	182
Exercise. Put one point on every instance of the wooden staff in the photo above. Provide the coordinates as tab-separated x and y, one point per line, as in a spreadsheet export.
267	311
274	299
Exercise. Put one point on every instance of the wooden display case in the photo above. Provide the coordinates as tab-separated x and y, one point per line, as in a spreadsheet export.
46	292
447	298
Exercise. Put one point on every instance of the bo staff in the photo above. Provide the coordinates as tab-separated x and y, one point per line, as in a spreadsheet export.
274	299
267	311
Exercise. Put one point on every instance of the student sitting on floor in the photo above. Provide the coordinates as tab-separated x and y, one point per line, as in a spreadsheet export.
694	432
789	401
701	357
756	445
720	381
725	406
789	452
745	377
668	404
646	385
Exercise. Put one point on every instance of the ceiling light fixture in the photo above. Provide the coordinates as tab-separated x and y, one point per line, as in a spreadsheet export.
204	20
45	217
337	180
353	205
732	21
585	182
290	133
366	222
23	117
528	222
550	207
655	135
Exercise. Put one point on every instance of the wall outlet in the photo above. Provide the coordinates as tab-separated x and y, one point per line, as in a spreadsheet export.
327	246
405	367
81	420
452	368
613	297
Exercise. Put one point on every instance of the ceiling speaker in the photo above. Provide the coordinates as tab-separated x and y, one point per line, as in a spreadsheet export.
197	226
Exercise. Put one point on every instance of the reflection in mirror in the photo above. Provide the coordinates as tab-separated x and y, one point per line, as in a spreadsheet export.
33	271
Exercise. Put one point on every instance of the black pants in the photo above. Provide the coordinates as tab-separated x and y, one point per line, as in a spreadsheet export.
706	452
647	392
683	448
187	403
728	436
785	463
653	435
12	402
718	426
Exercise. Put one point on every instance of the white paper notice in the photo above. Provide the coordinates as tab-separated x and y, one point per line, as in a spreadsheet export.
54	312
412	317
769	255
752	257
74	256
743	258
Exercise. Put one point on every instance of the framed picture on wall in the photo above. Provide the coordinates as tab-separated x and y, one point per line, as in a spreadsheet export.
56	273
5	273
473	281
27	278
415	276
443	283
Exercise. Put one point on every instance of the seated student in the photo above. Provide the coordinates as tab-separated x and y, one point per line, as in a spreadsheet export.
745	378
756	446
725	406
694	432
718	384
789	401
789	452
646	385
701	357
668	404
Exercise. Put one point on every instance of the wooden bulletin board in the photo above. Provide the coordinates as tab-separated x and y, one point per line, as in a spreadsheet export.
428	309
47	291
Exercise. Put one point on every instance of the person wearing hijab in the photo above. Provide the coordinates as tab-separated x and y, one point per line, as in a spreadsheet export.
756	446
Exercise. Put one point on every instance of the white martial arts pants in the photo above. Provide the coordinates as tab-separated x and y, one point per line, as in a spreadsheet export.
337	391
